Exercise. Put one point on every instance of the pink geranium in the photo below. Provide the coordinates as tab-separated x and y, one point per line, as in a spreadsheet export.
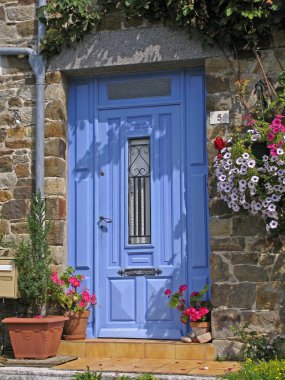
68	291
196	311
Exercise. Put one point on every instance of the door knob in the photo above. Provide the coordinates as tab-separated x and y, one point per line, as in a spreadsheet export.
102	221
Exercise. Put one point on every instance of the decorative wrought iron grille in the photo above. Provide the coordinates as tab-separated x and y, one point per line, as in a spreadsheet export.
139	191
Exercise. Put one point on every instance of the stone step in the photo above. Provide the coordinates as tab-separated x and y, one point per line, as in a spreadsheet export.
137	348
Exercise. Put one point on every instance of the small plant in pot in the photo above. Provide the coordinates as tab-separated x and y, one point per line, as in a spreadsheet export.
35	335
197	311
75	301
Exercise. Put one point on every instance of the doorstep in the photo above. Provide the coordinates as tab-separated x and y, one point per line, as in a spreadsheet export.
163	367
137	349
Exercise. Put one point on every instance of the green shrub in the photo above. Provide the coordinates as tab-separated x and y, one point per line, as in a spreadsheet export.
146	376
257	346
272	370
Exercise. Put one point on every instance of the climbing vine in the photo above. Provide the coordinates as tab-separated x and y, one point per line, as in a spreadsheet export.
232	24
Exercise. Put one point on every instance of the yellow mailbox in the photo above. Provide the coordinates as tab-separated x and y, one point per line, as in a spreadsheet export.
8	278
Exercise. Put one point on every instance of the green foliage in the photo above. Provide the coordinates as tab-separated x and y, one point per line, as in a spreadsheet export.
229	23
257	346
66	21
87	375
146	376
33	260
272	370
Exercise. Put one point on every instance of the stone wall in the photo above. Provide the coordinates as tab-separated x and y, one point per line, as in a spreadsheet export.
247	265
18	27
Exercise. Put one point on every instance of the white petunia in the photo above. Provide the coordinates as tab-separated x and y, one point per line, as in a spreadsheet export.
265	158
257	206
222	178
245	156
239	160
273	224
236	208
242	183
227	155
255	178
251	163
246	206
271	208
280	151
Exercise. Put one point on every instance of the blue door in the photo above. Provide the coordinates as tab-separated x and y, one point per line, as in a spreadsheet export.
138	197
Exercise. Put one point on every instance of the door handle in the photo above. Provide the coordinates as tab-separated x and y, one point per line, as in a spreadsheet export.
102	220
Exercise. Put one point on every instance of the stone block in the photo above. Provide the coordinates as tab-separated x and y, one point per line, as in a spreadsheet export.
217	65
264	244
266	321
270	296
6	164
55	129
219	102
58	254
220	227
56	208
5	195
7	119
223	321
55	91
242	258
219	208
3	134
219	269
18	133
19	228
7	31
227	244
55	147
56	110
7	180
266	259
4	226
21	156
15	101
19	144
55	186
249	225
56	234
240	295
204	338
27	28
244	272
217	84
28	114
228	349
22	170
15	209
55	167
23	192
6	152
23	13
53	77
2	14
278	269
26	2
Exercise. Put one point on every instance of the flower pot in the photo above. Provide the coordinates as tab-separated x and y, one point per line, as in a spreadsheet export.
35	338
200	328
75	327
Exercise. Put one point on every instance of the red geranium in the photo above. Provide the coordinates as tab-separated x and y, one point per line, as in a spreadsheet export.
219	143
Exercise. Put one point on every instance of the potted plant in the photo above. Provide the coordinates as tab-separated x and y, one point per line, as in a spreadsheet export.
197	312
75	301
35	335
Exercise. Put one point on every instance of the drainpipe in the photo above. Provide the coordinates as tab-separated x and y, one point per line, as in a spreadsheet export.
38	66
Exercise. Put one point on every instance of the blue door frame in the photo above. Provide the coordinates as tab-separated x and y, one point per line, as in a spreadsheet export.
100	127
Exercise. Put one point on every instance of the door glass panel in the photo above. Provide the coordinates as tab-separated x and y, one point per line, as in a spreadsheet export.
139	191
145	88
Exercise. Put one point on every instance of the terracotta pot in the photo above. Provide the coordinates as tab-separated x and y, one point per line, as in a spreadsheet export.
35	338
75	327
200	328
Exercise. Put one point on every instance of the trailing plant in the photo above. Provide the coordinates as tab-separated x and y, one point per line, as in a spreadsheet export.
66	22
196	311
272	370
250	166
33	260
231	24
257	346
